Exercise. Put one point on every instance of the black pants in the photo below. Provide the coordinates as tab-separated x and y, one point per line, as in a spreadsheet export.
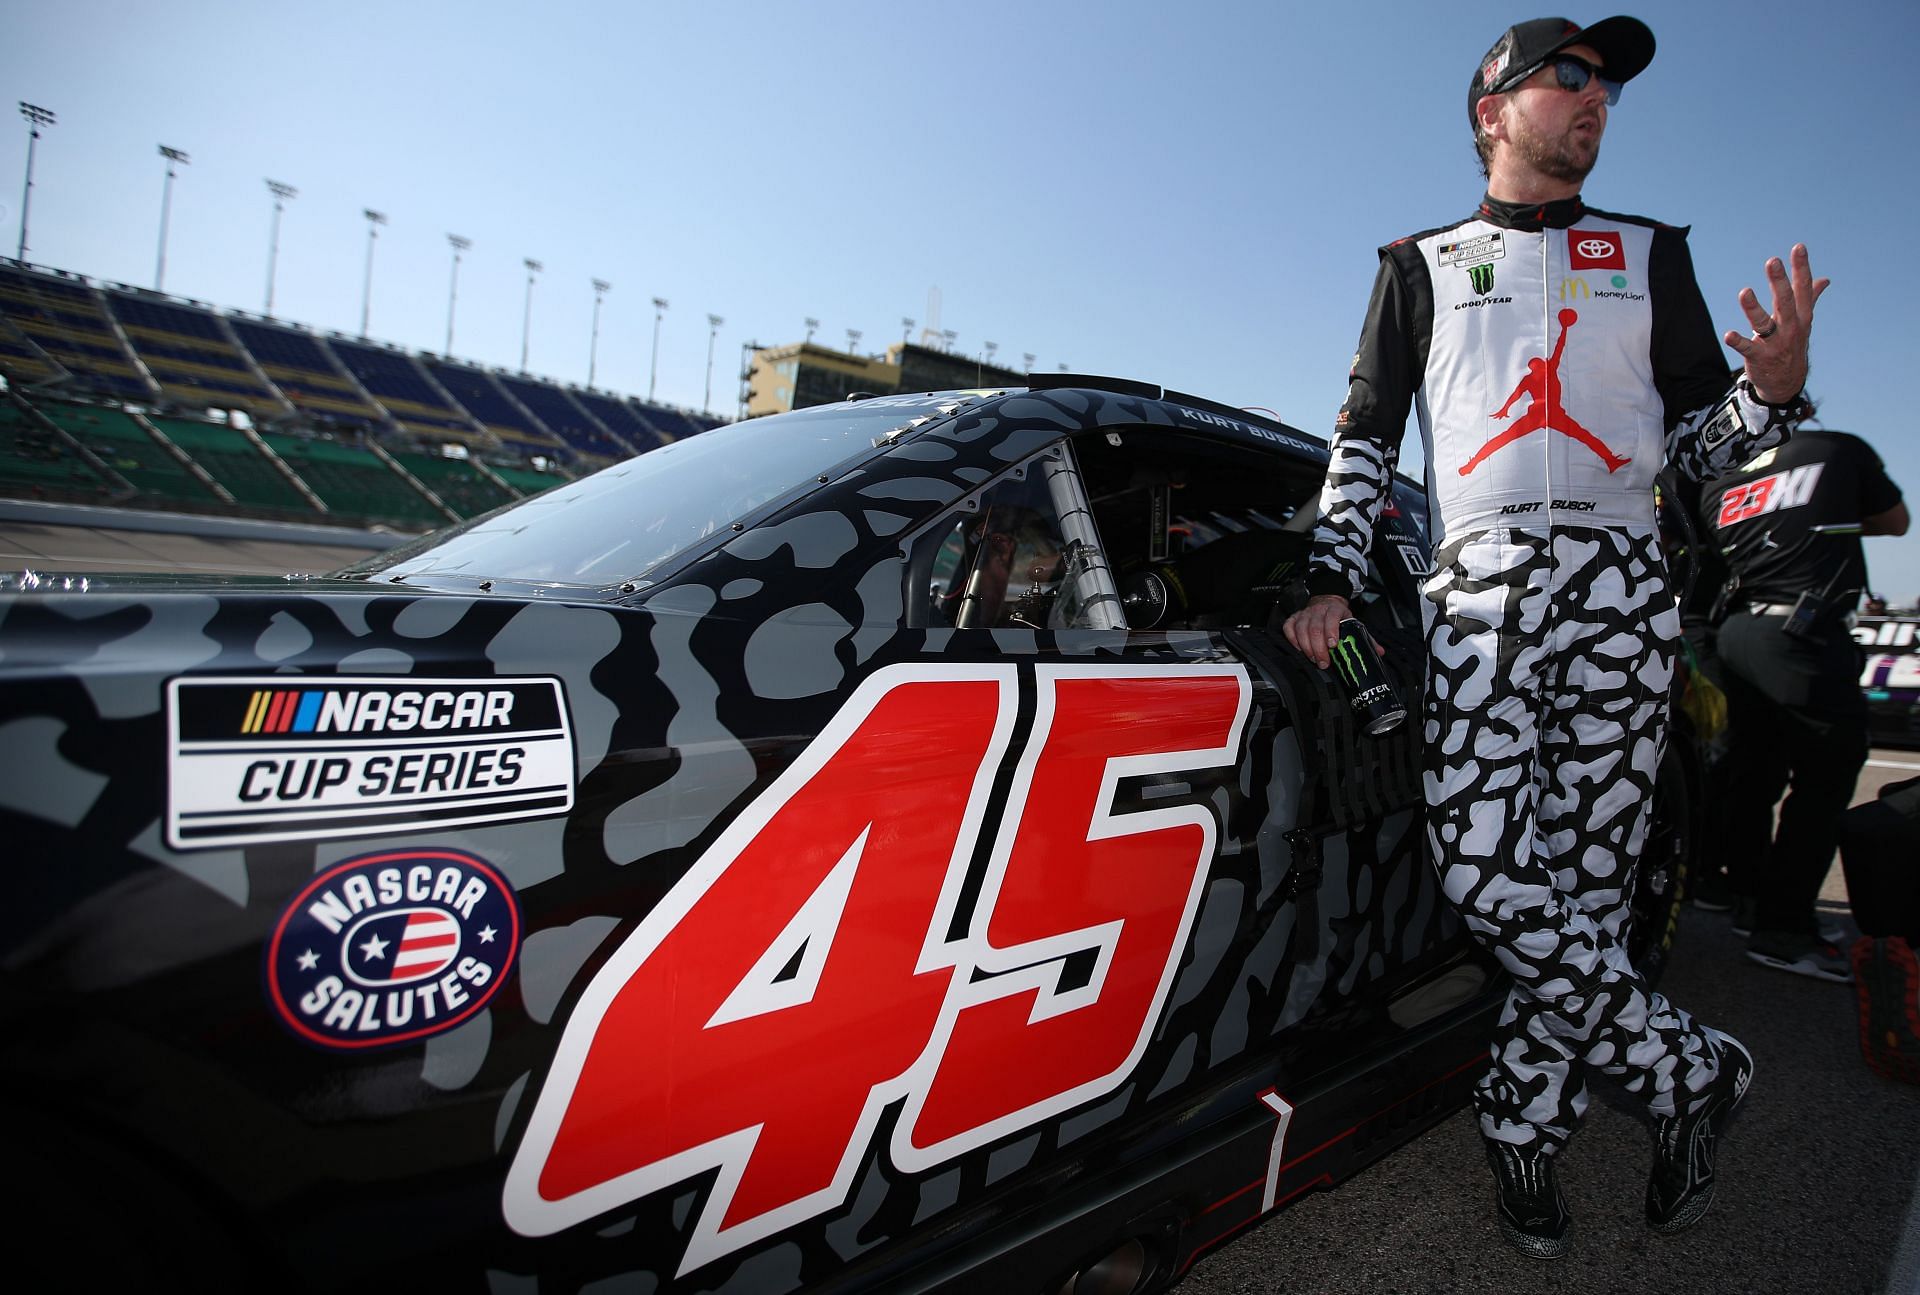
1796	715
1710	815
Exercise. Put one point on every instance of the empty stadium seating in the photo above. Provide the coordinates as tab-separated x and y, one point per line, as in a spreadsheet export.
131	450
402	387
39	464
564	416
236	463
476	391
462	485
66	321
623	419
353	482
188	352
299	365
104	388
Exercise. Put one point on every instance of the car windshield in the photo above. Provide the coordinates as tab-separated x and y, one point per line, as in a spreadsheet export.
625	520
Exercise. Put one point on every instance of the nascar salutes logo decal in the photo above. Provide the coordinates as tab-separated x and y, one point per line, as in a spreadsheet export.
391	947
284	758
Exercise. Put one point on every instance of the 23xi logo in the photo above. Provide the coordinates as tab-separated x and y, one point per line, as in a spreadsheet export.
828	956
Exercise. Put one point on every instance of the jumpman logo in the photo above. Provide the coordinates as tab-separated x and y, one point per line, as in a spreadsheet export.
1542	386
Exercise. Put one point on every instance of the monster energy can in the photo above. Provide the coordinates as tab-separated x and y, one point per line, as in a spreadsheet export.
1357	665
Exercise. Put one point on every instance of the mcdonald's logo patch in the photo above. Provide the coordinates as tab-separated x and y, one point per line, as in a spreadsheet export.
1574	289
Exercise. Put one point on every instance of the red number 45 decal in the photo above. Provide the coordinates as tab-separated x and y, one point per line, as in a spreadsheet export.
802	976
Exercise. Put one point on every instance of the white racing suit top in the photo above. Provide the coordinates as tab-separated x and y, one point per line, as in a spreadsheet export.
1558	355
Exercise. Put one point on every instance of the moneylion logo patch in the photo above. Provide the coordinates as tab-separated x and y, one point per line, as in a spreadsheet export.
1481	277
286	759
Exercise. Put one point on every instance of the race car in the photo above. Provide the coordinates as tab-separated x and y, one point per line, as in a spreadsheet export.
1890	676
883	846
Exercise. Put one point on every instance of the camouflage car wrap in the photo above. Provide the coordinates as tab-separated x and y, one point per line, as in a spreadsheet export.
1019	945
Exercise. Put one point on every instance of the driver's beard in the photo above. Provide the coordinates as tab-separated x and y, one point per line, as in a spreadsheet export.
1558	159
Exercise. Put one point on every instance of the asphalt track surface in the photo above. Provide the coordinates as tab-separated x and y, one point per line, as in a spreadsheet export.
1817	1190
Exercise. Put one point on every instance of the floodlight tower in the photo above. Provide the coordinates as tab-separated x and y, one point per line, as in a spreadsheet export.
166	201
906	329
600	287
36	118
713	332
812	325
747	349
948	336
853	341
375	219
526	321
281	193
653	369
459	245
1026	359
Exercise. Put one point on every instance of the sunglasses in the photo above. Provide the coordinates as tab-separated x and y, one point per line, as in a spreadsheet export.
1573	72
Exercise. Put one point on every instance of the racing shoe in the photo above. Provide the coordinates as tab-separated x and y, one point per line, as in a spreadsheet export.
1803	955
1681	1185
1533	1213
1888	976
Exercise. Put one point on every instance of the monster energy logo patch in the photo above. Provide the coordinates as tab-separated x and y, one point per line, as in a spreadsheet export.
1481	277
1347	660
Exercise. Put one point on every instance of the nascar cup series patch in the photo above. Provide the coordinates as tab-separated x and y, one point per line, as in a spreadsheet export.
287	758
392	947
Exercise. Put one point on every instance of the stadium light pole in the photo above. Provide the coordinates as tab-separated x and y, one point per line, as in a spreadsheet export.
36	118
1027	358
949	336
653	369
281	192
713	334
375	219
526	322
853	341
166	202
812	326
600	287
459	245
747	349
906	329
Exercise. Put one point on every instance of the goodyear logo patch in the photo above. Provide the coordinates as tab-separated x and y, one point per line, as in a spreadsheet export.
283	758
392	947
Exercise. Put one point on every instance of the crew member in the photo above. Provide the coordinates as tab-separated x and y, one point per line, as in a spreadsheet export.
1559	354
1789	524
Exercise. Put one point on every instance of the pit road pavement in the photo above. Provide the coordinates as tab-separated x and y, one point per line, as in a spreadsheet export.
1817	1185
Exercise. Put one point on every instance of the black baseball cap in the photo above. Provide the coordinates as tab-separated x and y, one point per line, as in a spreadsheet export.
1625	47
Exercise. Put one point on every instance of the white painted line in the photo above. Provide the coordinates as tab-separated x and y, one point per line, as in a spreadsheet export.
1893	764
1284	1109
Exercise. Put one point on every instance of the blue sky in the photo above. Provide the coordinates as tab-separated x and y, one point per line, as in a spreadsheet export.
1188	194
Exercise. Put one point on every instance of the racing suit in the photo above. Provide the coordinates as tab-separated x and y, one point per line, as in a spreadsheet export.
1557	355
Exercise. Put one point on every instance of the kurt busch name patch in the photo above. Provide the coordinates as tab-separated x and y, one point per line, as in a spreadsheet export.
286	758
391	947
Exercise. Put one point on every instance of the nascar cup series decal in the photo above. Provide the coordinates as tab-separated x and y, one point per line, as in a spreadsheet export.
285	758
392	947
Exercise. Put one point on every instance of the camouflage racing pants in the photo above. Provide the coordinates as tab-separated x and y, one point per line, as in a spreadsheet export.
1550	659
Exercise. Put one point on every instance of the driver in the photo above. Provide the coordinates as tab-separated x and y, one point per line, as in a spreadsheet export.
1558	354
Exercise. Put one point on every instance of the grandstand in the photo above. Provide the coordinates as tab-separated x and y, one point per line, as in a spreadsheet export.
119	395
192	356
